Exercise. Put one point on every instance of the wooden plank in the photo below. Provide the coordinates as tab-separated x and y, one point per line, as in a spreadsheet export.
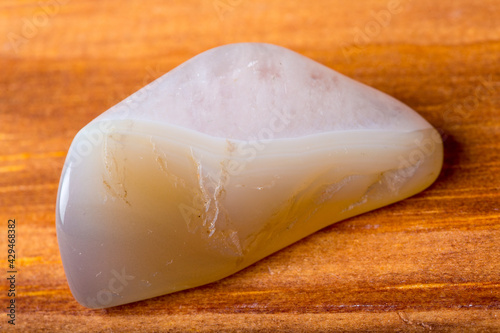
431	262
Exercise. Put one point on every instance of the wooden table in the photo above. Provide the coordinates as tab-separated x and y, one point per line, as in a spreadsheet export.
431	262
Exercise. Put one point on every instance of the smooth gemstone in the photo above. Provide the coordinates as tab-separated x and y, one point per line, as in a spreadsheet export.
231	156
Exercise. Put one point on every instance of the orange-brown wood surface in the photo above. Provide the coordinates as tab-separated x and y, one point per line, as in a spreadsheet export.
431	262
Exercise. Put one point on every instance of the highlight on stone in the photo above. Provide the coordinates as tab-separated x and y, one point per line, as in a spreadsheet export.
233	155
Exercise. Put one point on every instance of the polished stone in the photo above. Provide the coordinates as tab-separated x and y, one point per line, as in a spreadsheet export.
231	156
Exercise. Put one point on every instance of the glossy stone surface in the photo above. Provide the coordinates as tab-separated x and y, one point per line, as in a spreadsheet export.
231	156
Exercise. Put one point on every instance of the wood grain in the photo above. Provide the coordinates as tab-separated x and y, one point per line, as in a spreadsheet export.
431	262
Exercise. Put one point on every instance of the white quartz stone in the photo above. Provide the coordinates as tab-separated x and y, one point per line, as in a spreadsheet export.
231	156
